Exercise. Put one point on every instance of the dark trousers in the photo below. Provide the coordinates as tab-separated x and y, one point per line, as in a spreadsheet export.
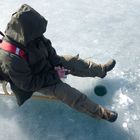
72	96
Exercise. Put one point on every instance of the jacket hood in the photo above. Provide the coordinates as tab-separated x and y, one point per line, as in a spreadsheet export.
25	25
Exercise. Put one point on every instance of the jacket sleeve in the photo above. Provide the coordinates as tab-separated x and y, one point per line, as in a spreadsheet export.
53	57
22	76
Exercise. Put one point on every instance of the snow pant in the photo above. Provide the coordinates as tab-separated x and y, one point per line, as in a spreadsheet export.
82	68
72	96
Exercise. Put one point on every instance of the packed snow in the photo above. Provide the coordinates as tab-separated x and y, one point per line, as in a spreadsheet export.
98	30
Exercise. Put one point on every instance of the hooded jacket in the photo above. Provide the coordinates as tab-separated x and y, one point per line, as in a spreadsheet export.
25	30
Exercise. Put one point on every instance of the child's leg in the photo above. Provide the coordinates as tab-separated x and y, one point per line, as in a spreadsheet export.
82	68
74	99
86	68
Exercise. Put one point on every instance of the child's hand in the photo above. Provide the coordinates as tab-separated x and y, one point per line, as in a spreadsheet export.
62	72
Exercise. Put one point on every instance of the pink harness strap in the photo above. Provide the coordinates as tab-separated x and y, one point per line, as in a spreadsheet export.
12	49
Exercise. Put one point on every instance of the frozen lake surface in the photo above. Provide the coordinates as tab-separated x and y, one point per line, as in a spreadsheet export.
99	29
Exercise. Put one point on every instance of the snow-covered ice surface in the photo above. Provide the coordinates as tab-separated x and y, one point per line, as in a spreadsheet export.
99	29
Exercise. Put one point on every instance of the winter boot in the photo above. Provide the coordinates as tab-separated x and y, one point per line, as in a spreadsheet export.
110	116
108	67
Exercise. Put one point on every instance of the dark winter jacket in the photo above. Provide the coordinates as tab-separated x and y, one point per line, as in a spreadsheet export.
25	30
